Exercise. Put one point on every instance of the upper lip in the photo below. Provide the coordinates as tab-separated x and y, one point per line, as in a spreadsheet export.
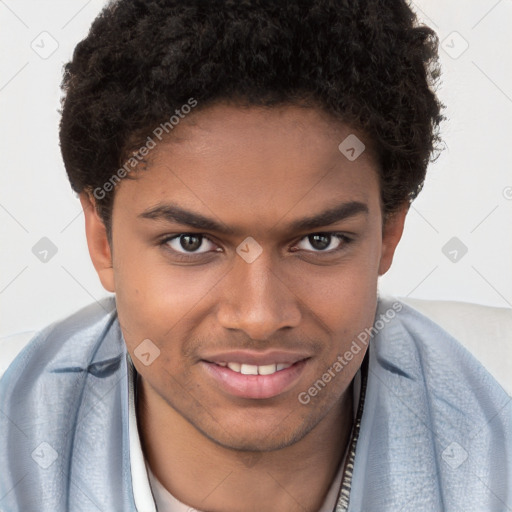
256	358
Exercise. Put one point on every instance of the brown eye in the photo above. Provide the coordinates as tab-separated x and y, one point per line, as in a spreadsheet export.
319	242
322	242
190	243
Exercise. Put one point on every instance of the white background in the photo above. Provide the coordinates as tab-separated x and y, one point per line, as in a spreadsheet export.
468	193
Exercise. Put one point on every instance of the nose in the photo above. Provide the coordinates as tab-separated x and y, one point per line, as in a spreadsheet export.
256	300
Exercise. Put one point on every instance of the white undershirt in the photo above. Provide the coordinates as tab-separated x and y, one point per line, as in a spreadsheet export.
151	496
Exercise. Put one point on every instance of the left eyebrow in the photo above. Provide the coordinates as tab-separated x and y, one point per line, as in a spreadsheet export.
173	213
332	215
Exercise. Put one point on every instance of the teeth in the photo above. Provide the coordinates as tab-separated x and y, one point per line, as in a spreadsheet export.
235	367
249	369
252	369
267	369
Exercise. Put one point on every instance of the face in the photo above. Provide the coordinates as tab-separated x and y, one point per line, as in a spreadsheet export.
248	254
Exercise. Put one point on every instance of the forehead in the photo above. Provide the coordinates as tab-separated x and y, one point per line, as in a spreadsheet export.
254	164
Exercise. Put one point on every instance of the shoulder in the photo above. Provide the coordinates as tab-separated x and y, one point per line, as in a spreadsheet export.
447	338
436	424
486	332
422	365
61	398
73	338
479	335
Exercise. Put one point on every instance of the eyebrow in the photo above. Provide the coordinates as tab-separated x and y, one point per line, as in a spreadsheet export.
170	212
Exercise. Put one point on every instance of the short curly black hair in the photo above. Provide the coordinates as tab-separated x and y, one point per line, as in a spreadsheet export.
365	62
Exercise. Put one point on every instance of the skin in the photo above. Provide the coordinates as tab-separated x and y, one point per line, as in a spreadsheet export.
254	171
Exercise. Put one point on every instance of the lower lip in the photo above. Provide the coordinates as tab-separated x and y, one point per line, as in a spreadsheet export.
255	386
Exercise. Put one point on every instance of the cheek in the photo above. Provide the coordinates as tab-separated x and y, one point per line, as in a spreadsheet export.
344	296
155	298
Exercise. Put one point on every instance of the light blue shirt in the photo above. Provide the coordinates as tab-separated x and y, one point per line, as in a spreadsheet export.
436	432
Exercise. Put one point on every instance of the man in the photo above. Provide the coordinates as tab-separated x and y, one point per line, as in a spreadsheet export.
245	169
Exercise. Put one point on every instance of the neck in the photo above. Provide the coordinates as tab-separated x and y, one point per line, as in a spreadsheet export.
207	476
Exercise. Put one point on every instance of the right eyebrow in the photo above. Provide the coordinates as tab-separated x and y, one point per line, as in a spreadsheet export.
173	213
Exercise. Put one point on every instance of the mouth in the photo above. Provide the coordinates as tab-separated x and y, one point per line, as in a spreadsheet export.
253	376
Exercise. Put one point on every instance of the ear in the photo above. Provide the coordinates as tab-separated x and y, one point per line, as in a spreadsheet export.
391	233
97	241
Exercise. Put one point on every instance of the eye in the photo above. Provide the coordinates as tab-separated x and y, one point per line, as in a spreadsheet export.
190	243
322	242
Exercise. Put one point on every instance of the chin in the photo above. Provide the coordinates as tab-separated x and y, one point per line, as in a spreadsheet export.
253	439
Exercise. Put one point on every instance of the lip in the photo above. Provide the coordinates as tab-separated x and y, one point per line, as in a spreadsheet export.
257	358
255	386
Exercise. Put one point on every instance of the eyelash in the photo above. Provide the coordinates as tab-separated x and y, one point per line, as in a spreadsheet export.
343	238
